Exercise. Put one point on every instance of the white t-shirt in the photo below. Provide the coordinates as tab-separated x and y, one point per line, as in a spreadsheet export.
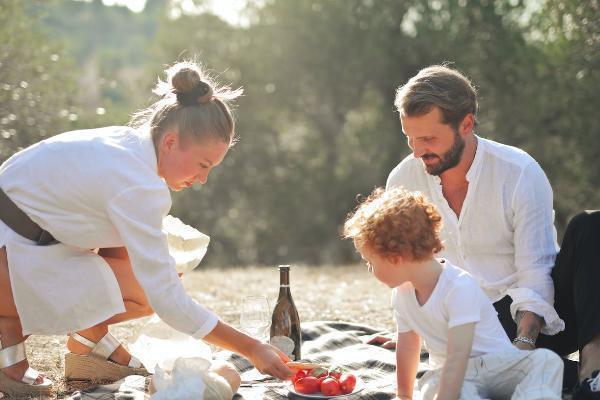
92	189
456	300
504	236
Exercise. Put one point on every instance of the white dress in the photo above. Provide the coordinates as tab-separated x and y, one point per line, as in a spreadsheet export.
92	189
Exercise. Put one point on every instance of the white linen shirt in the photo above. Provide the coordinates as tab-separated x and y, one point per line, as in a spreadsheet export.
92	189
456	300
504	235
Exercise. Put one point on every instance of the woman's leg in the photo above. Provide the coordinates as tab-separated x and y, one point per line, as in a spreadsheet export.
134	298
576	275
10	325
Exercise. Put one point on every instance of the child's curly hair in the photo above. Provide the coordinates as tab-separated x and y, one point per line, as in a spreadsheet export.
396	222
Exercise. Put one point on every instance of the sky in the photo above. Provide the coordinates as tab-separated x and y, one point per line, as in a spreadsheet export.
229	10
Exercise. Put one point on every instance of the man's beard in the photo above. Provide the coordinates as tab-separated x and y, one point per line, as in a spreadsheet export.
449	159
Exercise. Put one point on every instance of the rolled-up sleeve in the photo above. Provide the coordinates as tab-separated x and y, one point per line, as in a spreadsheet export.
535	248
137	215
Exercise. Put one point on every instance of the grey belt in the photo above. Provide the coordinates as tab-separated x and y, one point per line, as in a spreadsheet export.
20	222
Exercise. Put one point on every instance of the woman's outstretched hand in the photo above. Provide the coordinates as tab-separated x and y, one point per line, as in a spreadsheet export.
269	360
266	359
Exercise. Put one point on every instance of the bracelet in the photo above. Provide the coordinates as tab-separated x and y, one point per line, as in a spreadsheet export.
524	339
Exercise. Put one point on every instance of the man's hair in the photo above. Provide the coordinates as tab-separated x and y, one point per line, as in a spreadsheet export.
396	222
438	86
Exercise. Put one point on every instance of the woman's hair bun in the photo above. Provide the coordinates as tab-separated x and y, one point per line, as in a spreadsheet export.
202	93
187	84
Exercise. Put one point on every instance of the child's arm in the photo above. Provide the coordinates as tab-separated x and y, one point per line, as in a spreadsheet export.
460	341
408	352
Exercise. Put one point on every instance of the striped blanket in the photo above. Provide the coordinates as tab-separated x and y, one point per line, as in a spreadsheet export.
335	343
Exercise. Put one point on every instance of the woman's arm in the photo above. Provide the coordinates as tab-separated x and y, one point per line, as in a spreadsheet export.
266	358
408	352
460	341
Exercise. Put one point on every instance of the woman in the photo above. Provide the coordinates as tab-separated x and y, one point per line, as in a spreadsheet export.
108	189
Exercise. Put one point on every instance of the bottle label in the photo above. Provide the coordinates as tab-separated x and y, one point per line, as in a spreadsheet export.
284	344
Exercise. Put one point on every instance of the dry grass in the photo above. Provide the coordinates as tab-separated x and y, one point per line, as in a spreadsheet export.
321	293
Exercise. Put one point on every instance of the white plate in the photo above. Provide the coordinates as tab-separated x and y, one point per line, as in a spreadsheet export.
359	386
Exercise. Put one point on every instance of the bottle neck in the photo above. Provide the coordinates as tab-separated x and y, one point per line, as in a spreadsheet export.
284	281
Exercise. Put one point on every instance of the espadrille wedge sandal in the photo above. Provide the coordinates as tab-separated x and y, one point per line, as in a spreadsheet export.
96	365
26	386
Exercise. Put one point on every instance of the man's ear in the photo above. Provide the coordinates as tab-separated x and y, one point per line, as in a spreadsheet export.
467	124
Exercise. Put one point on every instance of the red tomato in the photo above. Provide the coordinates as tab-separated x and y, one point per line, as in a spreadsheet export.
307	385
330	387
321	379
347	383
335	375
299	374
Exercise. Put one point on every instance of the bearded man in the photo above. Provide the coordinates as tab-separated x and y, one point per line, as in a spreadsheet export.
496	205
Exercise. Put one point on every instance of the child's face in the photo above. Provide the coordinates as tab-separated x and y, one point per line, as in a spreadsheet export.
383	268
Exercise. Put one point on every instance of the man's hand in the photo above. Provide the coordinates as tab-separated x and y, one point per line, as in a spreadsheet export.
529	325
380	340
523	346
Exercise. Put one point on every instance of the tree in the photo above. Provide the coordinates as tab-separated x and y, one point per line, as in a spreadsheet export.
36	85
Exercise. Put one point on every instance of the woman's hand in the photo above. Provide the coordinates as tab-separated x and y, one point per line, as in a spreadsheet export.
269	360
266	358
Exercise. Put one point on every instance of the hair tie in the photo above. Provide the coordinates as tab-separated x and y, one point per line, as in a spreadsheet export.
201	94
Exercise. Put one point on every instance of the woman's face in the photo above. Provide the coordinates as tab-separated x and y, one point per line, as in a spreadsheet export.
183	165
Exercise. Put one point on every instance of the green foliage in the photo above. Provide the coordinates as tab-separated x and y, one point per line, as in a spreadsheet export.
317	122
35	86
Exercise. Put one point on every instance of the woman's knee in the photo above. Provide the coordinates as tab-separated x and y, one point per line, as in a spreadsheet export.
7	306
586	221
141	309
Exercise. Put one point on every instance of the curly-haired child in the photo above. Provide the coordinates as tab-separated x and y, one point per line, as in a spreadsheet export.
397	234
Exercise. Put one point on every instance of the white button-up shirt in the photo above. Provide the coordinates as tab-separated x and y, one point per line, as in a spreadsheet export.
504	235
92	189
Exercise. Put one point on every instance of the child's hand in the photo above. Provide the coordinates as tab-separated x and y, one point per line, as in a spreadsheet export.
379	340
269	360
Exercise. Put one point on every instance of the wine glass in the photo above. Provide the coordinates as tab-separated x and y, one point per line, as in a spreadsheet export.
255	318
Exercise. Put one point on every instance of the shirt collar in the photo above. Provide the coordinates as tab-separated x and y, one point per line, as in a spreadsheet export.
475	167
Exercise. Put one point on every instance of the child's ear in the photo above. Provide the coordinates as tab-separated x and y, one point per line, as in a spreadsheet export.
395	259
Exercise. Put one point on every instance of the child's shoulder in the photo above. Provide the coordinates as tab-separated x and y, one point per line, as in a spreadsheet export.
400	294
456	276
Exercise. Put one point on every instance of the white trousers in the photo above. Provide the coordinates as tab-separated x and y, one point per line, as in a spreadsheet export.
527	375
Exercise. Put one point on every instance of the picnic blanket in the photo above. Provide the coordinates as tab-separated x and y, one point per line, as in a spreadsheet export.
337	343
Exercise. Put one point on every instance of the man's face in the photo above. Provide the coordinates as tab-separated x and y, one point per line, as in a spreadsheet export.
438	145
